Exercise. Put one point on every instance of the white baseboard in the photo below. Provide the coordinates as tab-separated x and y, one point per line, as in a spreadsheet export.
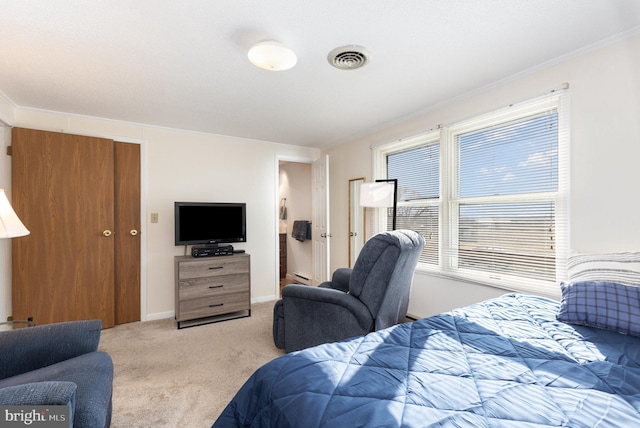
263	299
160	316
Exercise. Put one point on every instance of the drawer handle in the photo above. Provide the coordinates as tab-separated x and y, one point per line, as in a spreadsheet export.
217	304
216	286
216	267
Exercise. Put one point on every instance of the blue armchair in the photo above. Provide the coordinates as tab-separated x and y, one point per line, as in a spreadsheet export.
58	364
371	296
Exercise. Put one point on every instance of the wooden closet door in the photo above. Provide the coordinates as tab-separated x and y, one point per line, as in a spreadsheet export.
127	236
63	190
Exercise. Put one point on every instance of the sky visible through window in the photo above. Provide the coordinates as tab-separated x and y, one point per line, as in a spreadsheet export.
513	158
417	171
510	159
517	157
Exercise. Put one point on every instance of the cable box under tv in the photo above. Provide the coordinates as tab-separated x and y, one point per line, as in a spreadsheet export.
222	250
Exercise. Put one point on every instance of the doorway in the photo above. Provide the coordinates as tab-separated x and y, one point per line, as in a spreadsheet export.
295	259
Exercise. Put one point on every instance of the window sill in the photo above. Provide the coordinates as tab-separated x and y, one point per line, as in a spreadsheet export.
544	291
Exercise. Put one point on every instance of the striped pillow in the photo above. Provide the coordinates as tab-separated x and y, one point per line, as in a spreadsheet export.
605	305
622	268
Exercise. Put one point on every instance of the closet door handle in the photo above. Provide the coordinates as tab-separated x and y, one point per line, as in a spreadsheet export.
133	232
107	233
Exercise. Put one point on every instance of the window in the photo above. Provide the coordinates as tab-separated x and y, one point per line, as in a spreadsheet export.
418	169
488	194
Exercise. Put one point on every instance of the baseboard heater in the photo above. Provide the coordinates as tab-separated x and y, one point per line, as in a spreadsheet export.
302	279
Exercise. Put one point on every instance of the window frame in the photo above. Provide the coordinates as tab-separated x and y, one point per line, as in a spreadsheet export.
427	139
448	203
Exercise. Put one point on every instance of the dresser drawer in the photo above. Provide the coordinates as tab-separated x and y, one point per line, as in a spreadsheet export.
214	305
222	265
195	288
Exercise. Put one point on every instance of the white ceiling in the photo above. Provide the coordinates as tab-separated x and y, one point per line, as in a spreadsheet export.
183	63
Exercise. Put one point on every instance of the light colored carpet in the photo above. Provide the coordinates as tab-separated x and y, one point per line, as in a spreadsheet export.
165	377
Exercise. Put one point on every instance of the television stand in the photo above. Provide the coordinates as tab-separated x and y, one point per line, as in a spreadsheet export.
212	289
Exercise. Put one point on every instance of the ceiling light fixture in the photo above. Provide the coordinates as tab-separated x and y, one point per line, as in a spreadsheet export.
272	56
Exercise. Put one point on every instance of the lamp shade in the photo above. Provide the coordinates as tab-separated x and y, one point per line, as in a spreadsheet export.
272	56
10	224
377	195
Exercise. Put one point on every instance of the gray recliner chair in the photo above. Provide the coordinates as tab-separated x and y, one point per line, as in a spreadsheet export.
58	364
371	296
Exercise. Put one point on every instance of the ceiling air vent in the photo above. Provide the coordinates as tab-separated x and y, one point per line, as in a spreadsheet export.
349	57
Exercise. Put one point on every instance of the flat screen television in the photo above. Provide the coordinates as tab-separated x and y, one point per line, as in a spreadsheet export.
210	223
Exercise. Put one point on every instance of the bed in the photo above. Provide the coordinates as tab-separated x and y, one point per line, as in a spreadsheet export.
504	362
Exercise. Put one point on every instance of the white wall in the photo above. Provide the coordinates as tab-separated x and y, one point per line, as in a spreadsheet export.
5	244
605	151
185	166
6	117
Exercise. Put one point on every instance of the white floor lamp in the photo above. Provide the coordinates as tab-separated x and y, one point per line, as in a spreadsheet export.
380	194
10	224
11	227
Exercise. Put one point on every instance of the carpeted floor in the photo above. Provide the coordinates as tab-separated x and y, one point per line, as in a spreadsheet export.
165	377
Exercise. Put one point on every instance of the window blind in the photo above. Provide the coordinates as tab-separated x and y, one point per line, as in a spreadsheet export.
418	173
513	158
489	194
500	231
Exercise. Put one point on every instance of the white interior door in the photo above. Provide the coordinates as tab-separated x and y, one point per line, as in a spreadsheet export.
321	233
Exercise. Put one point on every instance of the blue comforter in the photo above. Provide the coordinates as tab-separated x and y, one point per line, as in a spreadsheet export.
505	362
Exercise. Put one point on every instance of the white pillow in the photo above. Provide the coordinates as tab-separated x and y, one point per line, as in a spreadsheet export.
622	268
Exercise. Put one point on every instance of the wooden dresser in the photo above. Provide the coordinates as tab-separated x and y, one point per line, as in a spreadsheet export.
211	289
